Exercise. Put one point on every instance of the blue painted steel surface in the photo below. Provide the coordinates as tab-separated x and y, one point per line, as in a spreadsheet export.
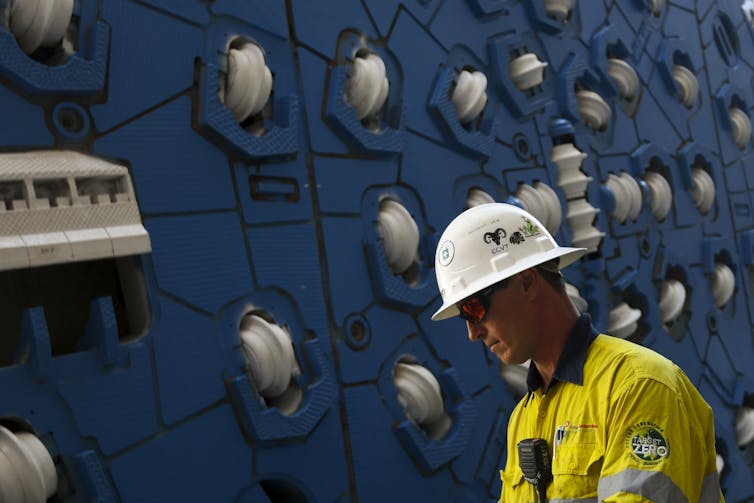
285	222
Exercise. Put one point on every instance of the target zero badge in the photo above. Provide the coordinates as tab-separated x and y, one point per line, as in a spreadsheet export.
646	444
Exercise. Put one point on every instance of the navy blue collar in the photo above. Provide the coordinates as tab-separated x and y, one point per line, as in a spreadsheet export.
570	366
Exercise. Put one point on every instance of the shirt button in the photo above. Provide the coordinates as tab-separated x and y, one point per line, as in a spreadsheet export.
541	414
572	465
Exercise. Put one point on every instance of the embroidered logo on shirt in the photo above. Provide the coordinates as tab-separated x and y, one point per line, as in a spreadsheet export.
646	444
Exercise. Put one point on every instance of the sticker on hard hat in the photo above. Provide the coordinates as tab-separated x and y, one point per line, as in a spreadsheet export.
646	444
529	229
445	253
517	238
495	236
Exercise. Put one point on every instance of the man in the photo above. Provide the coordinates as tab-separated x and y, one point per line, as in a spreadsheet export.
604	419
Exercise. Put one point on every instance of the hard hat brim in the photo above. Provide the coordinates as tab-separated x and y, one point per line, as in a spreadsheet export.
566	255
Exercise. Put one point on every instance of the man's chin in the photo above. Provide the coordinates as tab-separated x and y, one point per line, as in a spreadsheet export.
509	359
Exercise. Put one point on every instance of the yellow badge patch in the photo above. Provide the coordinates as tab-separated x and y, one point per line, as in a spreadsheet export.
646	444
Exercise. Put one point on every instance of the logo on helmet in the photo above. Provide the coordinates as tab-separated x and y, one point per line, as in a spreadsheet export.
517	238
445	253
496	236
529	229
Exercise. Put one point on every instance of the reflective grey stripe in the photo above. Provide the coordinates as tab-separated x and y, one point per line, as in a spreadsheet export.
710	489
655	486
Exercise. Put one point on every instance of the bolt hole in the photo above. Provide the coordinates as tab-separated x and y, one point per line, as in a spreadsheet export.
521	146
357	331
71	120
357	335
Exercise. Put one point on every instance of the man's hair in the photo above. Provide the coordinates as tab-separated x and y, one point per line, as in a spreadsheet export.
552	275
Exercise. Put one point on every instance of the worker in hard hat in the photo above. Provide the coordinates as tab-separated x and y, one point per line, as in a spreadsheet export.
604	419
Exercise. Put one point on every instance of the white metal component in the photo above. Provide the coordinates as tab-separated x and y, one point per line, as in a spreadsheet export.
744	426
399	233
367	86
627	195
271	361
703	191
527	71
594	111
476	197
719	464
419	395
723	284
249	81
61	206
533	202
672	299
469	95
656	6
559	9
634	194
515	377
542	202
748	7
571	179
289	401
576	299
552	203
741	127
661	196
580	217
688	86
623	320
580	214
615	185
27	472
624	76
39	23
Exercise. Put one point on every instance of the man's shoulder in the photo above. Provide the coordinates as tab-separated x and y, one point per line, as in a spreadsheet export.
630	361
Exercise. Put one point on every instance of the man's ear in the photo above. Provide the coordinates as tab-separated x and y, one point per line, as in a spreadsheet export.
528	281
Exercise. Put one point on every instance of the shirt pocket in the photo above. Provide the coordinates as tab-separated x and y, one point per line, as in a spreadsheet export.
576	469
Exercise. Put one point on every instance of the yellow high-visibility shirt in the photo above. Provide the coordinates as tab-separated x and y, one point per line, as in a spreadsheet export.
630	428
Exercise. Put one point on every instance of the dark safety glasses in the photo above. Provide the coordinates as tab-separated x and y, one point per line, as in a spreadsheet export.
474	308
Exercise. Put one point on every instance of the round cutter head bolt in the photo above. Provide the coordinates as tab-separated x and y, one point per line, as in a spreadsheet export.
400	235
367	86
419	395
469	95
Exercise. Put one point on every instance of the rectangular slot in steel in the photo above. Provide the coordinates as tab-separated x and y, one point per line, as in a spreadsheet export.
273	188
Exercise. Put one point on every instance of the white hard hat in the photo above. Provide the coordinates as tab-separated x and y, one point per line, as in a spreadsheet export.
487	244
